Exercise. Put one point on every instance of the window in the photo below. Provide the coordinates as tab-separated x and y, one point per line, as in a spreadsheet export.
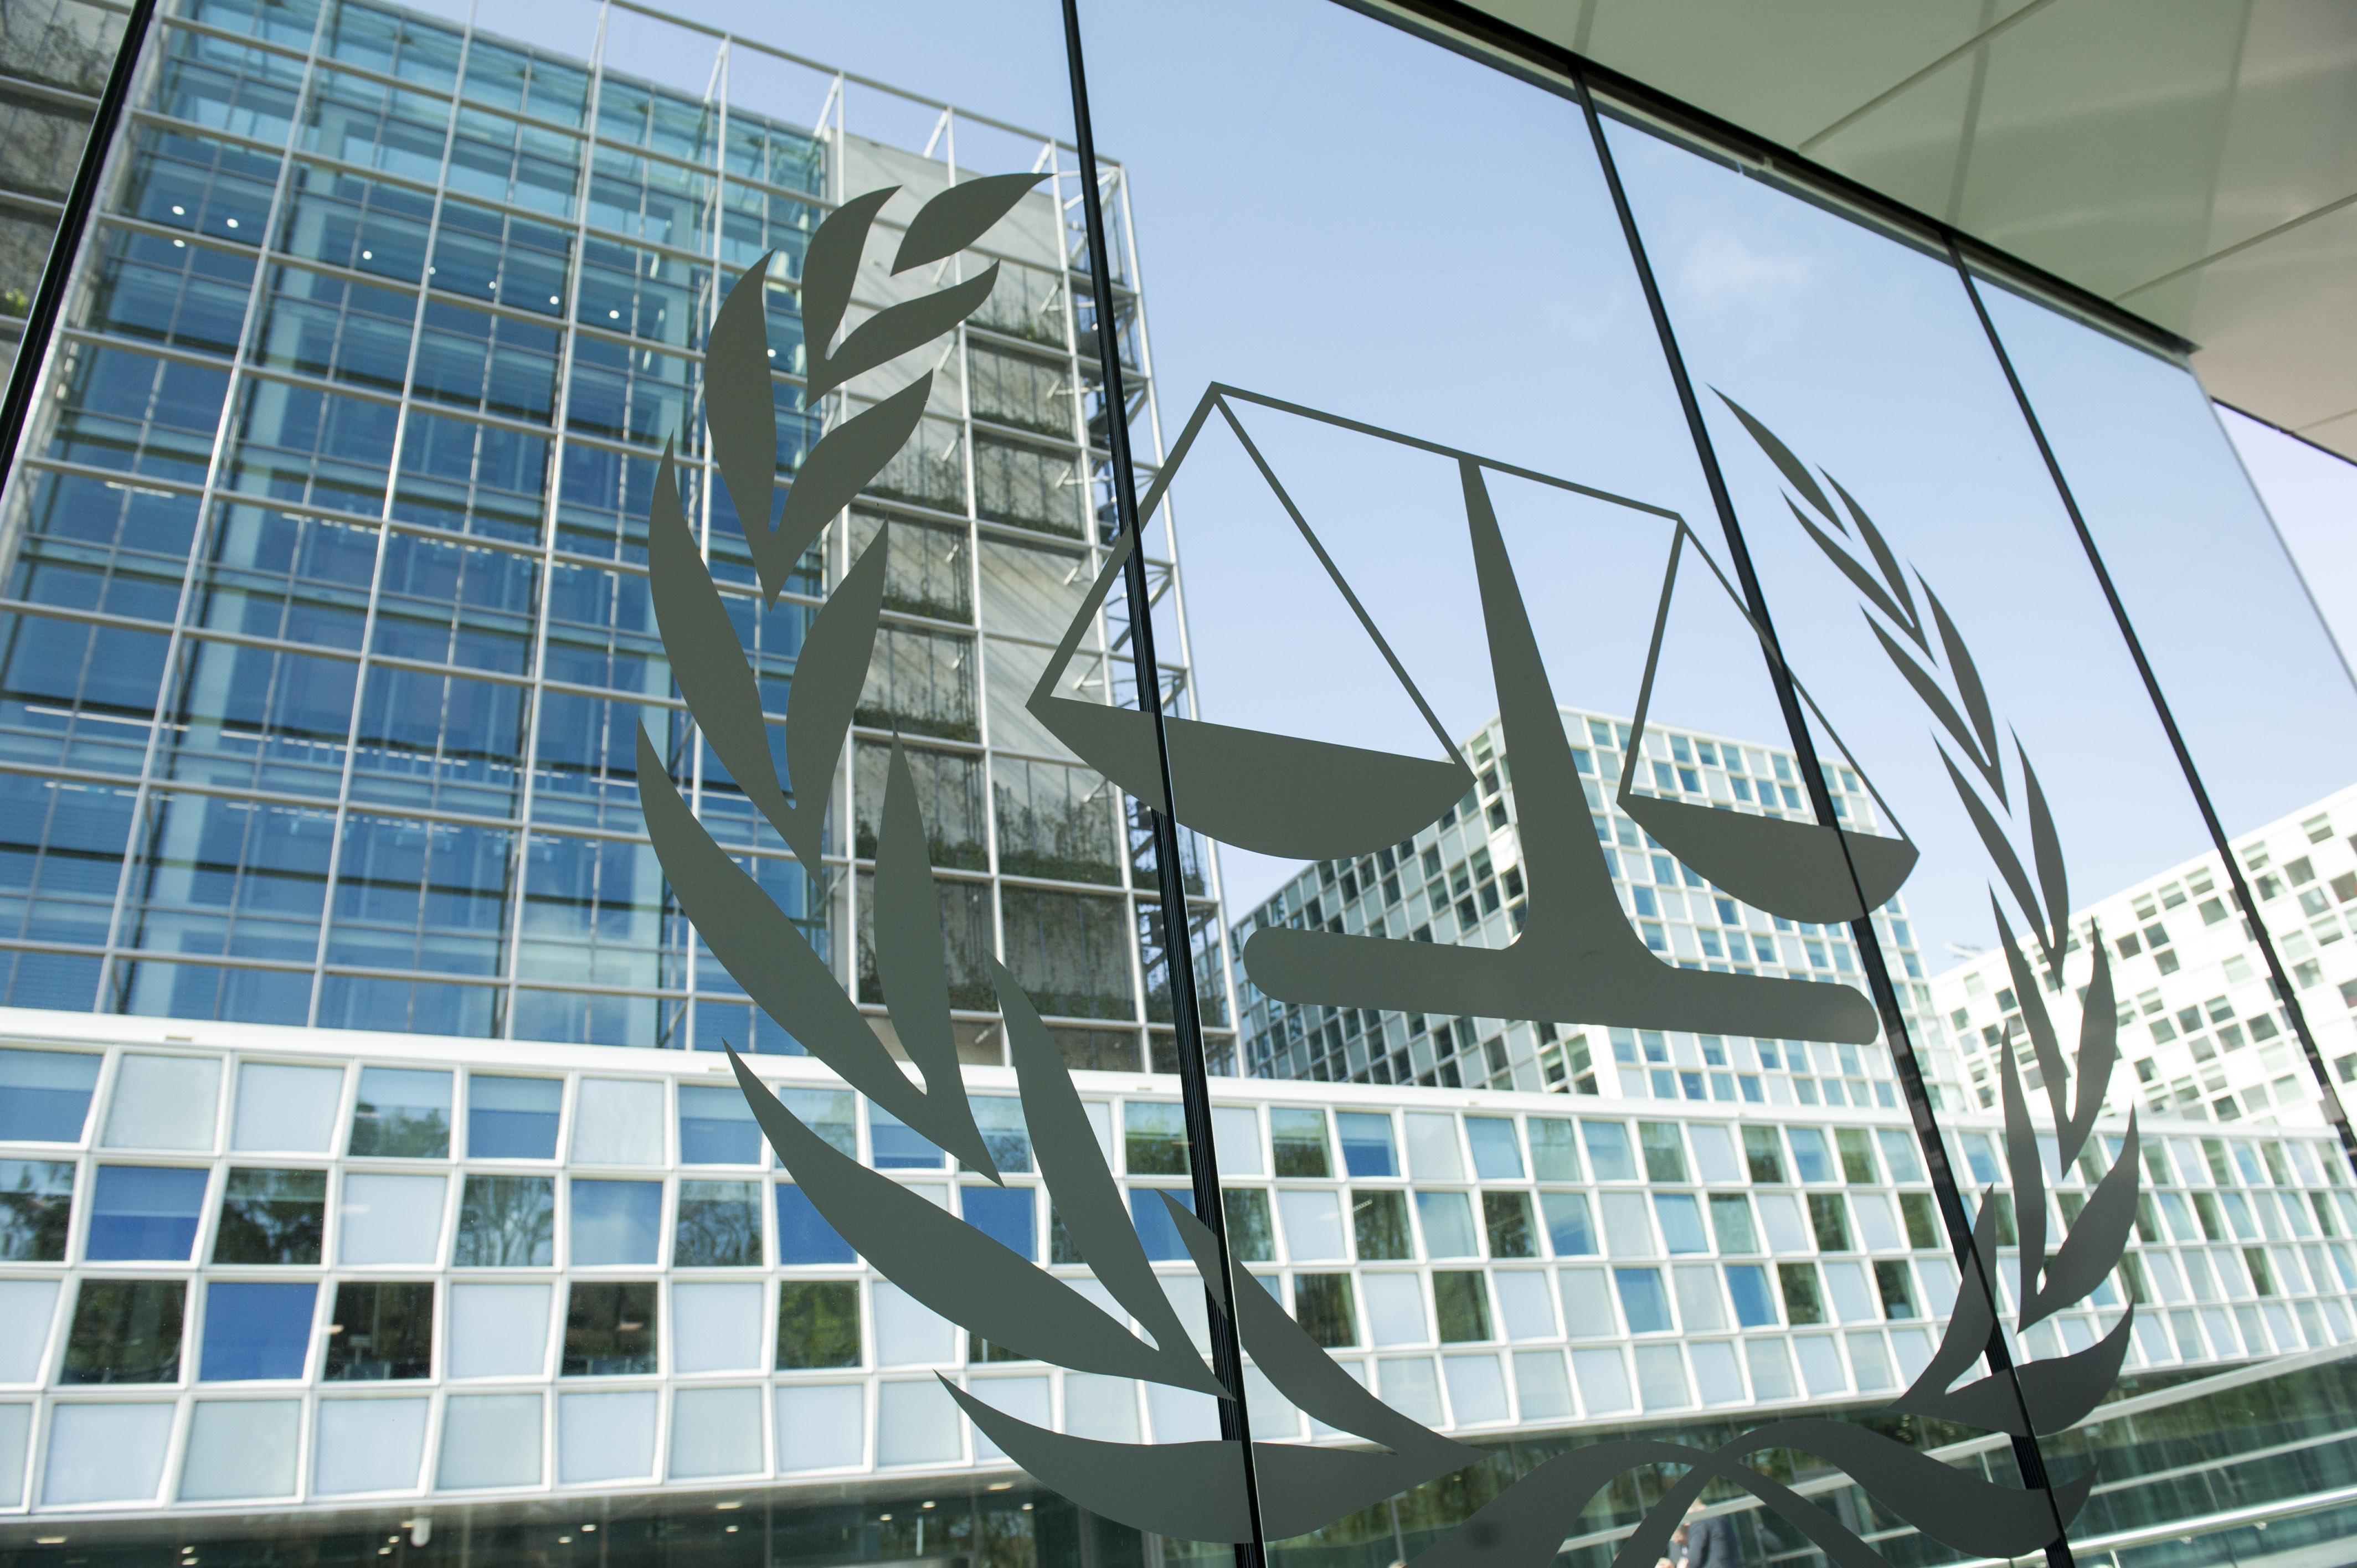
270	1217
1380	1218
1321	1304
1857	1156
1681	1219
1896	1287
718	1226
1461	1302
803	1235
1730	1218
610	1329
1802	1300
126	1331
899	1146
1899	1153
1810	1156
507	1221
818	1323
45	1095
1829	1218
1156	1229
1569	1230
1154	1138
255	1330
1367	1148
1000	1119
402	1113
1497	1157
512	1118
1447	1220
1665	1154
615	1222
1007	1215
717	1126
1608	1150
1643	1300
1915	1209
1763	1153
381	1331
35	1210
1507	1216
1298	1137
145	1212
1555	1154
1251	1235
1748	1285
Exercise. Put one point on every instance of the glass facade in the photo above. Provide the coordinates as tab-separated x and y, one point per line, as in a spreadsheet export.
328	637
366	1161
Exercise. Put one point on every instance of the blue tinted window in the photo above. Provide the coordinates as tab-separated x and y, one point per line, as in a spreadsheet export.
256	1330
1747	1284
1643	1298
1681	1219
45	1095
145	1211
899	1146
1000	1119
717	1127
616	1222
512	1118
1155	1226
803	1234
1367	1144
1568	1226
1810	1156
1005	1214
403	1111
1497	1157
1608	1151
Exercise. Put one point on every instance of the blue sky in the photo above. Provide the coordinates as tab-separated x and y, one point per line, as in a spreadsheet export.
1332	213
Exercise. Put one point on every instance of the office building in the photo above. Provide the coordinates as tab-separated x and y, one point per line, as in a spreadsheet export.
1458	881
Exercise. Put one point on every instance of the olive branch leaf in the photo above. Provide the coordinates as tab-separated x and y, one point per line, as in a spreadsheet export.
2046	1395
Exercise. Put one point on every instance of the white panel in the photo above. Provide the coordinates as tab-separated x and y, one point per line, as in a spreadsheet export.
618	1122
489	1440
164	1103
1853	1301
1587	1305
1477	1389
1235	1129
287	1109
1821	1367
242	1448
1662	1378
1714	1149
1026	1399
917	1423
1871	1361
1913	1348
1313	1225
15	1444
907	1332
1771	1369
1395	1307
391	1219
1627	1225
1182	1415
821	1426
1100	1116
1273	1416
606	1437
1603	1381
1101	1407
1939	1277
1878	1221
368	1446
27	1309
1540	1385
1525	1305
1407	1384
106	1453
498	1330
1779	1216
1432	1153
1718	1376
1193	1307
1699	1308
717	1327
716	1432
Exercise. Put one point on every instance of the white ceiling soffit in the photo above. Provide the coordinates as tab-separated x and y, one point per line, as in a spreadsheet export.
2194	161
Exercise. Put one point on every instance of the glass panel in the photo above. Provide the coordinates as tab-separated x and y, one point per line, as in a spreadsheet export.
1367	1144
163	1102
256	1330
717	1127
1446	1218
381	1331
803	1235
1497	1155
126	1331
512	1118
288	1108
1154	1139
403	1111
615	1222
618	1122
818	1323
719	1225
145	1211
507	1221
391	1219
271	1217
35	1210
610	1328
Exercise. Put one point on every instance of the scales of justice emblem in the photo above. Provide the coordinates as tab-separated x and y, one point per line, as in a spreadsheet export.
1576	957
